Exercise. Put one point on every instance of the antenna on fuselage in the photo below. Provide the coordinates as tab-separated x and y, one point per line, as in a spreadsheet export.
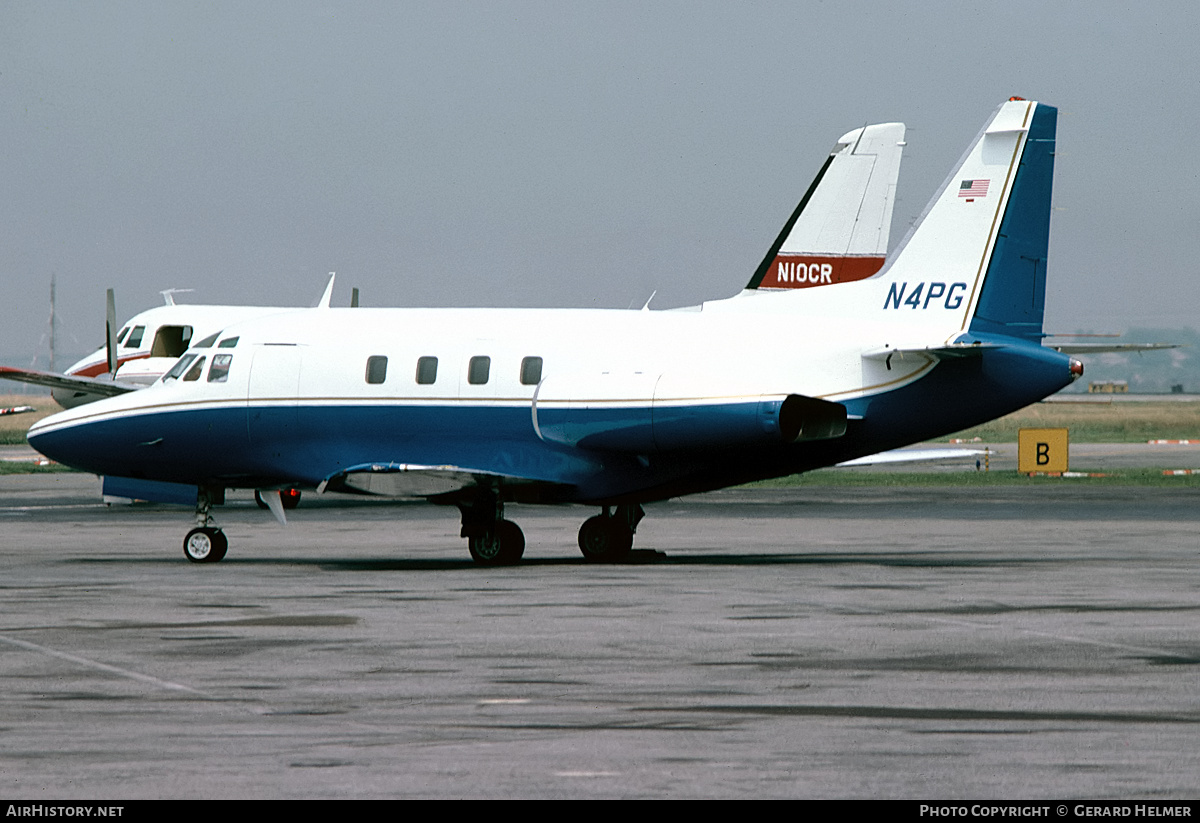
354	297
168	295
323	303
52	278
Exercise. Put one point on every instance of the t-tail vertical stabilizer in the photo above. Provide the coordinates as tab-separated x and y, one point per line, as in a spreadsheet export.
839	232
978	254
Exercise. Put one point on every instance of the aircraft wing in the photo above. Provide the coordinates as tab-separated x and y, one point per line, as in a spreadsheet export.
408	480
54	380
912	456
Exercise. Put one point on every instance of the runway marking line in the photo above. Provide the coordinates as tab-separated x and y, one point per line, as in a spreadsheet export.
1063	637
104	667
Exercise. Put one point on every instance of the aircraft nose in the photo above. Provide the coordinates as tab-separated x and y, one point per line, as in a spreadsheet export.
70	445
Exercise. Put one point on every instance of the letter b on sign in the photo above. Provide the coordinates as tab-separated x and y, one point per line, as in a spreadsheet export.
1042	450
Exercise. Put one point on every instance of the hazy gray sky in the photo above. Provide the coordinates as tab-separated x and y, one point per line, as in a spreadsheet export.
554	153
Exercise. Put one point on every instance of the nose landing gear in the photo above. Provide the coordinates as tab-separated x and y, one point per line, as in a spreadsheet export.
206	543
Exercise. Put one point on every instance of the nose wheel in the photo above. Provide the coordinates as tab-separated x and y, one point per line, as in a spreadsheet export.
205	545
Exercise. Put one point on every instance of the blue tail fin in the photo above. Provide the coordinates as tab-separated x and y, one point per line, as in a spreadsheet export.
1013	299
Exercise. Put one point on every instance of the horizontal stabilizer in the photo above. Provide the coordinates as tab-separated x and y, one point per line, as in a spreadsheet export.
1105	348
90	385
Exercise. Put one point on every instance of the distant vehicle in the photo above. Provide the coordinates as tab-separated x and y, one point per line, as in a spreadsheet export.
477	408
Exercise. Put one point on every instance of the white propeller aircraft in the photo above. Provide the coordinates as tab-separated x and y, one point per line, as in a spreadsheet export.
477	408
141	352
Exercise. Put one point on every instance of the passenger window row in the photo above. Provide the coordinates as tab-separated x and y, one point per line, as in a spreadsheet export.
479	370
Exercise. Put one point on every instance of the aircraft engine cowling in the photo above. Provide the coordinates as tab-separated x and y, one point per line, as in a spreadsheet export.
637	413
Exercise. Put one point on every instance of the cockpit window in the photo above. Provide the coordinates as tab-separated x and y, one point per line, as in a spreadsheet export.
193	374
124	332
179	368
207	342
171	341
227	343
219	372
135	337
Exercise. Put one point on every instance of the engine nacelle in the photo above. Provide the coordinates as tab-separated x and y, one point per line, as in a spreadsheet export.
646	413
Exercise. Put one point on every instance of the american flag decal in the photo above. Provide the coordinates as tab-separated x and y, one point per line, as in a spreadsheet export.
973	188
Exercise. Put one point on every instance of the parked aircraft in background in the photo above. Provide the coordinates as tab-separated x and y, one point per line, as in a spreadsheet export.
477	408
142	351
839	230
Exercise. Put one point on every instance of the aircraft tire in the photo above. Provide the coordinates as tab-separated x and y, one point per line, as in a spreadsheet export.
604	540
502	546
205	545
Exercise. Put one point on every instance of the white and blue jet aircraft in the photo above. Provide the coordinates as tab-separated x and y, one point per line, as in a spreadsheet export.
477	408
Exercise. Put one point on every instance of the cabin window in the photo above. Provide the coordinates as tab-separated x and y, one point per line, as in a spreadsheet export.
207	342
376	369
219	372
179	368
193	374
171	341
124	332
135	337
228	343
426	370
531	371
478	370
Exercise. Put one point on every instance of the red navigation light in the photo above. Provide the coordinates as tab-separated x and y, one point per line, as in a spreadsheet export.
1076	369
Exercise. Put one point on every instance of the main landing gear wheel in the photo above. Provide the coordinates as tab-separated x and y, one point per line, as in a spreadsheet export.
502	545
205	545
604	539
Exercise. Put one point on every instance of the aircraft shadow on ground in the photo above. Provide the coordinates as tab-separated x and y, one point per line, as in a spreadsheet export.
640	557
